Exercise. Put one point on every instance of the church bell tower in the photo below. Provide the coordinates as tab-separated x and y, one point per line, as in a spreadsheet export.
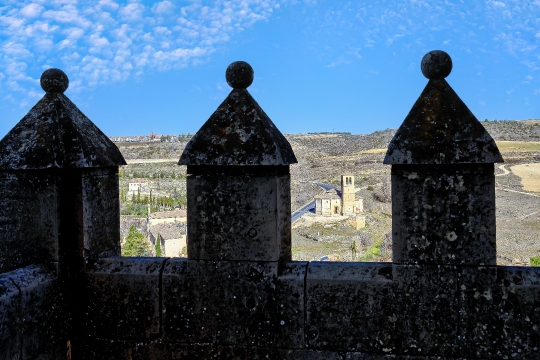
347	195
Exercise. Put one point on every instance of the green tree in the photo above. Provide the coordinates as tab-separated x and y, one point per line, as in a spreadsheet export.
158	246
135	244
138	195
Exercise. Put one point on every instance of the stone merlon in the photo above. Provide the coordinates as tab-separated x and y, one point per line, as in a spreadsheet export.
239	132
56	134
440	129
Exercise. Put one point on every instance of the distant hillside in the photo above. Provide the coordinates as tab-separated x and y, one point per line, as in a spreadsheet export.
513	130
338	144
346	144
342	144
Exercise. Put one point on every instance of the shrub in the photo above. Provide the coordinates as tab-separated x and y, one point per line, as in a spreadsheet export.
135	244
135	209
535	261
364	240
158	246
370	188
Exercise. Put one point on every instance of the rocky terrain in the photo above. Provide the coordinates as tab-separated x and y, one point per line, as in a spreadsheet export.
324	157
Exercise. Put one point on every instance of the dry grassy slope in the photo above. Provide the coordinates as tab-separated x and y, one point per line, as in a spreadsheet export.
324	157
321	146
527	130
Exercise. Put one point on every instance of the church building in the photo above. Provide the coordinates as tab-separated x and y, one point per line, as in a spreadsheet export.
339	202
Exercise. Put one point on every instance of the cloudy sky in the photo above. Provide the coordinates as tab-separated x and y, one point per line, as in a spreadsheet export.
320	65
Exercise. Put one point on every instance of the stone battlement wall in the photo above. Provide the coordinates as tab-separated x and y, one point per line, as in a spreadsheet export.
66	293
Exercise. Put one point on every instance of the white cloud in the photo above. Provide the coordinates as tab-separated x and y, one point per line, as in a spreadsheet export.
132	12
111	40
97	41
31	10
108	4
67	14
515	42
73	33
530	64
162	30
11	22
498	4
163	7
15	50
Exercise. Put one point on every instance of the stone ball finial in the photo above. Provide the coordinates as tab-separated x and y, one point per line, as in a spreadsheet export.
436	64
54	81
239	75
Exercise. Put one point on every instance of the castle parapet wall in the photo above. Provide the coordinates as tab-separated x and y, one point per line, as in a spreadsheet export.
238	295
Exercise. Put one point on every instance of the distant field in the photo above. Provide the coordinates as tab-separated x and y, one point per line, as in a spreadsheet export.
531	122
530	176
518	146
374	151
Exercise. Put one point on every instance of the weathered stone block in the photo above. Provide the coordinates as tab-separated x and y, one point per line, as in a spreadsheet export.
42	316
10	346
239	217
350	307
28	219
108	350
101	212
169	351
500	312
177	351
426	300
443	214
32	320
123	298
241	303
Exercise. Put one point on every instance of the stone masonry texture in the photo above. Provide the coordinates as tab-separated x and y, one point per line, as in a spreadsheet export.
239	217
28	219
443	214
242	303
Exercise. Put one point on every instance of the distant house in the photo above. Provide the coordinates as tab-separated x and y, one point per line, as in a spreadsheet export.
335	202
172	238
155	137
328	203
137	185
168	217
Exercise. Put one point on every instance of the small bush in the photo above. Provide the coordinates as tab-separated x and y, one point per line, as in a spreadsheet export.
364	240
535	261
158	246
370	188
135	244
135	209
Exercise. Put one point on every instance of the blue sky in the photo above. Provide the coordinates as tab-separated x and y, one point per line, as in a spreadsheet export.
320	65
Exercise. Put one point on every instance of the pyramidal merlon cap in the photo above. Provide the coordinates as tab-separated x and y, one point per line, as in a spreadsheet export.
440	129
56	134
238	132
